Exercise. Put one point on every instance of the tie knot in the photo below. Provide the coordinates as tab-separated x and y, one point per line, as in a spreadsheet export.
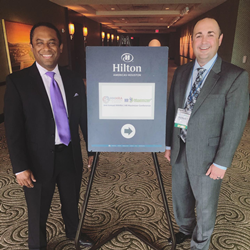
50	74
200	71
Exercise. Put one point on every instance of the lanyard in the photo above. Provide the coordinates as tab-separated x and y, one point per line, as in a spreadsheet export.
190	97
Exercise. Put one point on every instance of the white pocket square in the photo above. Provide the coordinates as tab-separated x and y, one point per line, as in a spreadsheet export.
76	94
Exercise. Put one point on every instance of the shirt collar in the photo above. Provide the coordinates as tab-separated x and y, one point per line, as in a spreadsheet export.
43	71
208	65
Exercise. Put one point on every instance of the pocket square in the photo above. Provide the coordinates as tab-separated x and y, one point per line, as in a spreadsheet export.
76	94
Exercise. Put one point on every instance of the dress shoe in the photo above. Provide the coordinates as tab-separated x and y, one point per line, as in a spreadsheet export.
180	237
83	240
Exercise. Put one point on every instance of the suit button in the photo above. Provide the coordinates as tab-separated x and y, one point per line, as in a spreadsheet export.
52	151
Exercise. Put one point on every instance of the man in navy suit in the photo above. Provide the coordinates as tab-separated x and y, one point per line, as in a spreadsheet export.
39	155
207	112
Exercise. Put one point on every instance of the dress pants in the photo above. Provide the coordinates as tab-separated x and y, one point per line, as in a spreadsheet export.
195	201
39	199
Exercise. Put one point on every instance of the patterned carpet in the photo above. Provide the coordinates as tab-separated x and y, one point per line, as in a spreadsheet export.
125	193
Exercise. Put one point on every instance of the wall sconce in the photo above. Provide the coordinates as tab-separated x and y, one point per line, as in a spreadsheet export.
108	36
71	30
85	32
112	37
117	38
103	36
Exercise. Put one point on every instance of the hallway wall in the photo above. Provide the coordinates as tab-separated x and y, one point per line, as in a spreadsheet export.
242	37
29	12
228	26
77	44
234	19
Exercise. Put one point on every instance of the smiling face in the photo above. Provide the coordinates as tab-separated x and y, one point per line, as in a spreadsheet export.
45	47
206	40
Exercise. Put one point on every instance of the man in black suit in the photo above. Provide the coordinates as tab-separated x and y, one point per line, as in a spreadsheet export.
44	149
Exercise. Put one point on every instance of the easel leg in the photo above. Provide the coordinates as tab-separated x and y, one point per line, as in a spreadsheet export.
85	203
164	199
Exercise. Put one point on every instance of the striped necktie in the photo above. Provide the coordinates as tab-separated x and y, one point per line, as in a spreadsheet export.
192	98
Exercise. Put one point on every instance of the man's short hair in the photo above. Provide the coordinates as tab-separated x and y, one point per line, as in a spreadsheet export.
209	17
46	24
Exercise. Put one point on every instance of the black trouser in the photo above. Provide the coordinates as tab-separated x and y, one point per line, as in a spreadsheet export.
39	199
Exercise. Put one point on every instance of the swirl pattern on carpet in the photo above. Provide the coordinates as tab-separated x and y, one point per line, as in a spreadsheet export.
125	193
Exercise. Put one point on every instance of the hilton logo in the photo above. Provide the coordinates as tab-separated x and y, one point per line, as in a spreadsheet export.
127	58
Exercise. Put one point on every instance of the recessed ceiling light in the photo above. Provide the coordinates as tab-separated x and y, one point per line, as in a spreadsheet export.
166	8
112	8
161	18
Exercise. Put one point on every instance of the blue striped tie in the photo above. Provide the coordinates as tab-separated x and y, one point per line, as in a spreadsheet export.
192	98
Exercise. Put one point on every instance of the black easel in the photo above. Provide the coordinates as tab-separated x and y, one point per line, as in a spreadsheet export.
85	203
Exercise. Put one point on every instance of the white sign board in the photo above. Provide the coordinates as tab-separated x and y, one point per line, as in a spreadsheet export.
126	101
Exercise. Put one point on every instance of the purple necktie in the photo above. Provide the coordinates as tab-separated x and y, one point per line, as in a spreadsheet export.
59	110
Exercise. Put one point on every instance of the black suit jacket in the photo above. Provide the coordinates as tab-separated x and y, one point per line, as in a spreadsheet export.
29	122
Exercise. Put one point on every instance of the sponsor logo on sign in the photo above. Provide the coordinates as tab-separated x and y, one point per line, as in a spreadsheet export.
105	99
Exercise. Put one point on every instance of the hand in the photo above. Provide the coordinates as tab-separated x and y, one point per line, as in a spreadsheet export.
26	178
215	172
90	161
167	154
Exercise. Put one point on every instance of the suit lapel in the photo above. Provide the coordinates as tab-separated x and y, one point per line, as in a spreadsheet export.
209	84
42	94
68	88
